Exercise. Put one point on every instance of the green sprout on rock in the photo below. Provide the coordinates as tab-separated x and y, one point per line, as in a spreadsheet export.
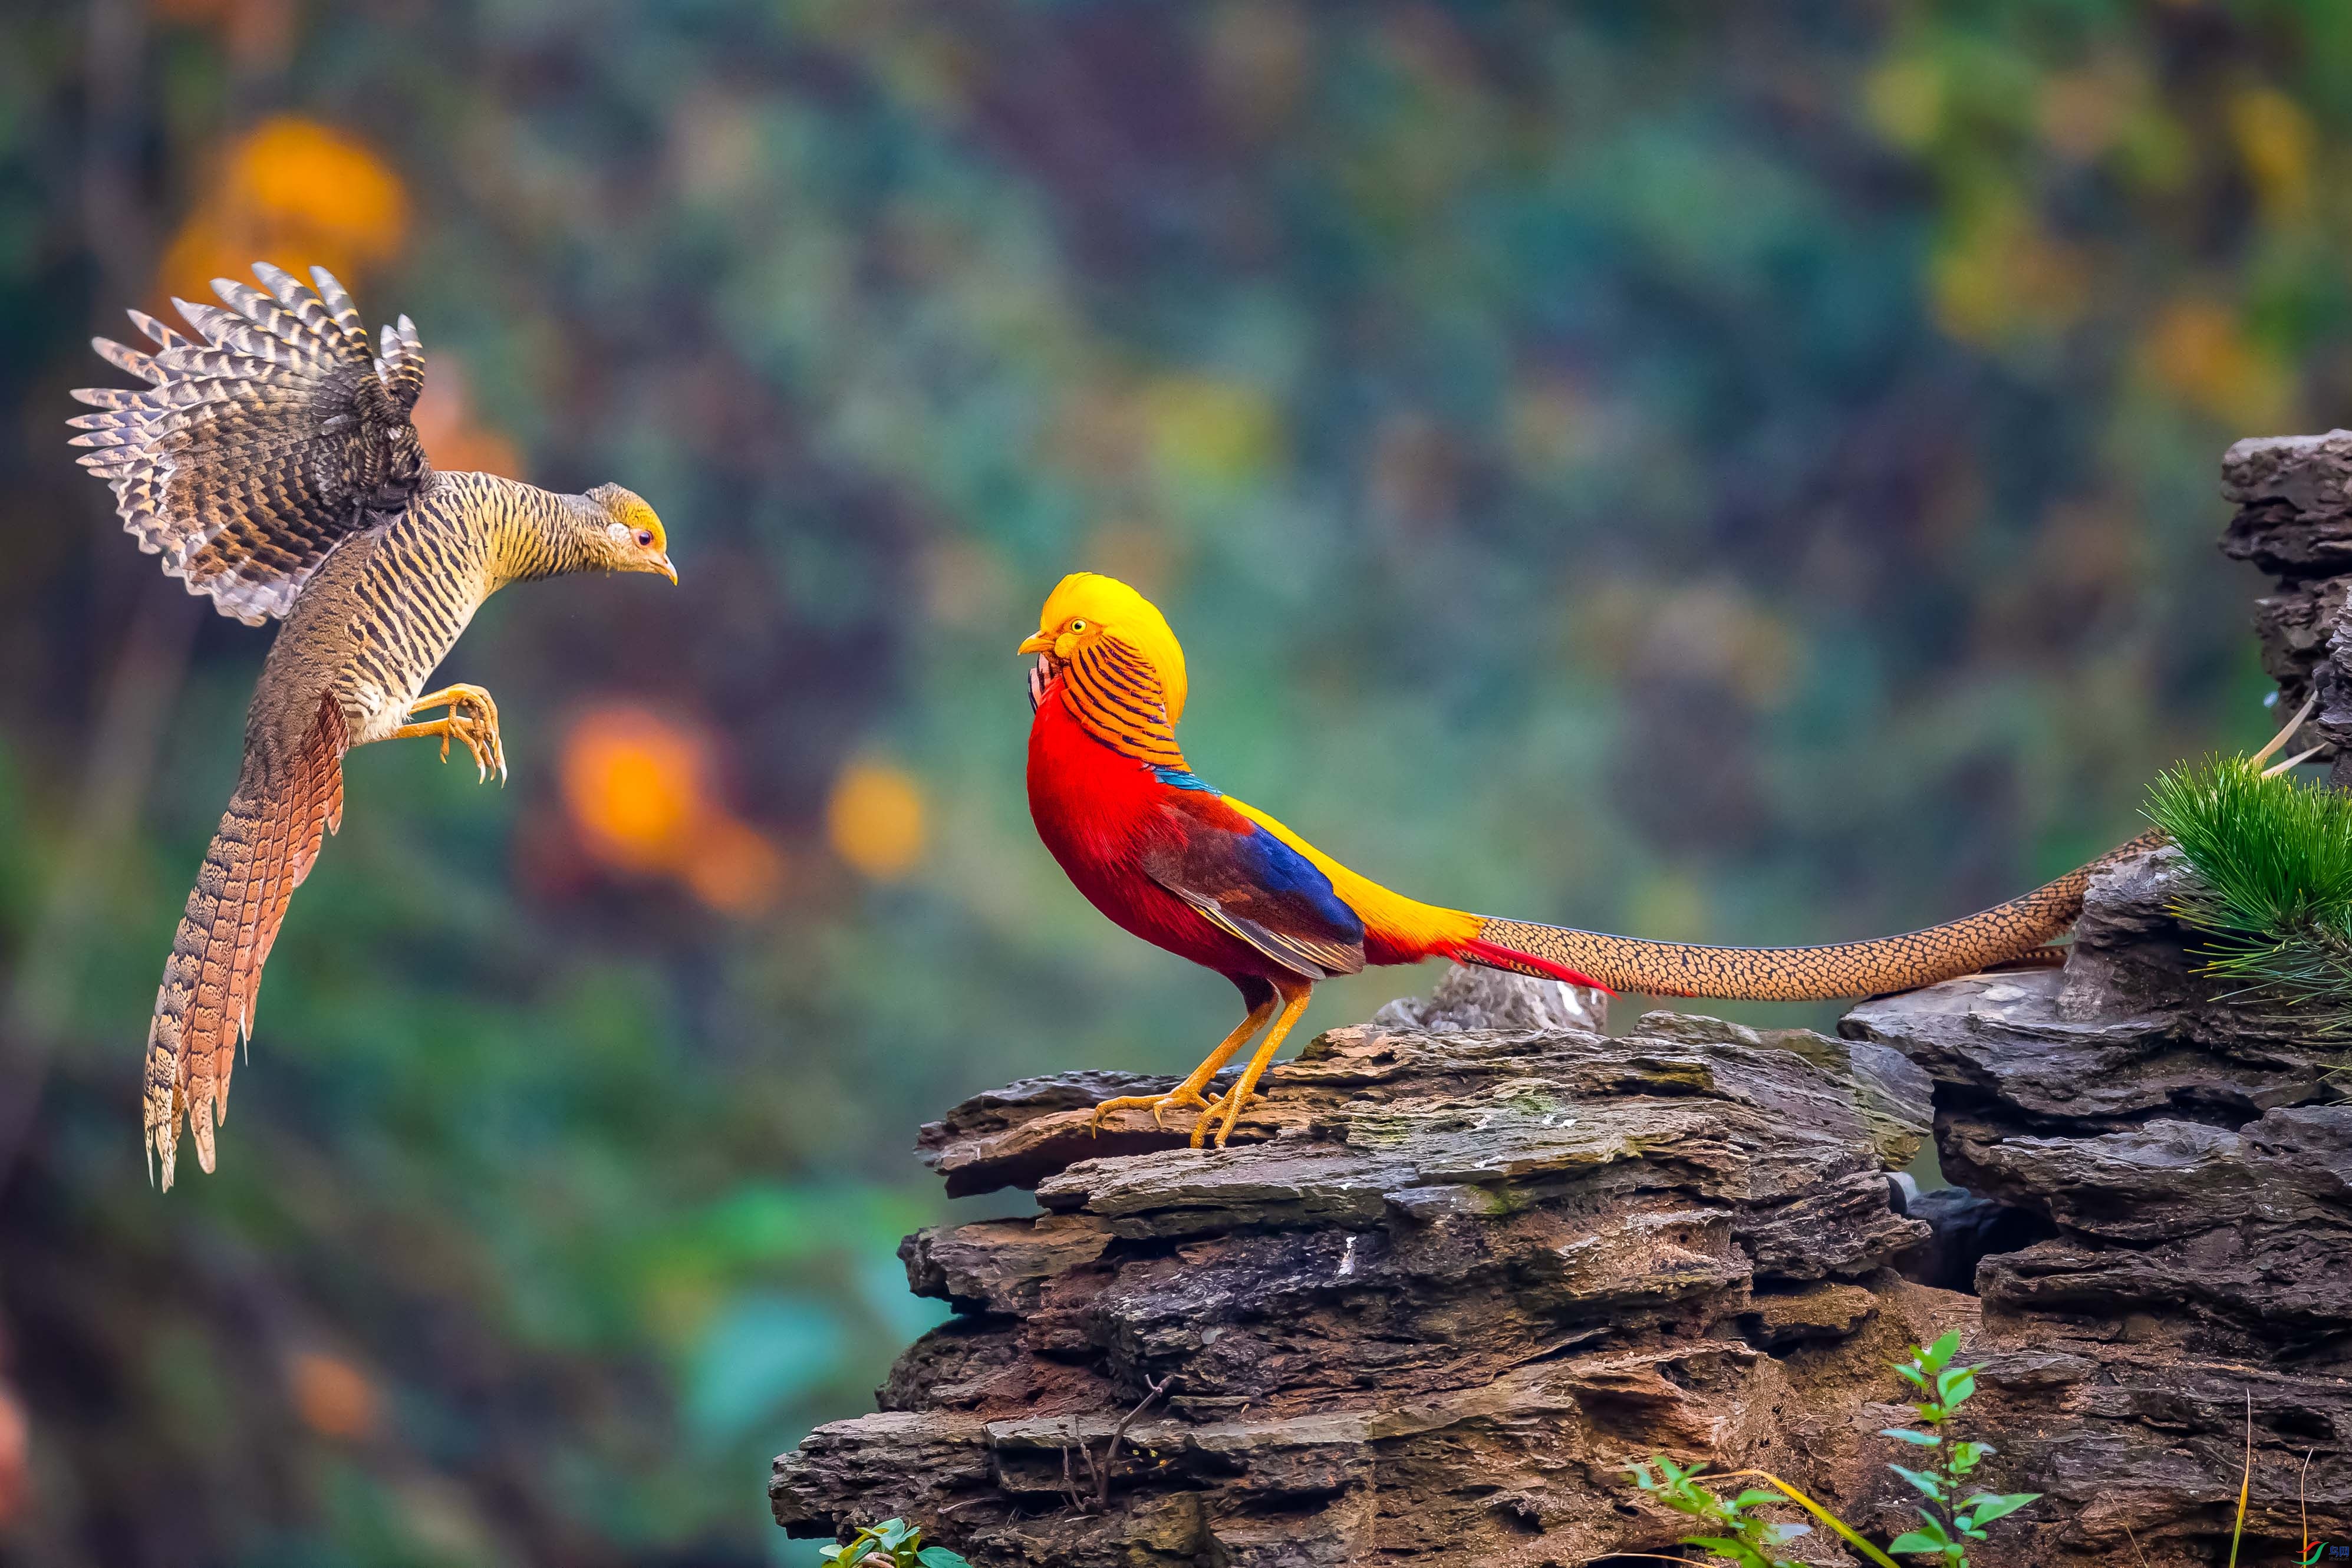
892	1543
1957	1509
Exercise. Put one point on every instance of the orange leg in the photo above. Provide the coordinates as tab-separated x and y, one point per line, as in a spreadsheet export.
1294	994
1188	1092
472	719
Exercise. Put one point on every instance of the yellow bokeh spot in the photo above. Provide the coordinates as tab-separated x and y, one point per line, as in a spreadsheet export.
2197	353
875	819
1905	99
1999	276
2277	143
1218	431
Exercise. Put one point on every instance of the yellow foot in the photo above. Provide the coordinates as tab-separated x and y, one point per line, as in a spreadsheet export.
1177	1099
472	719
1227	1106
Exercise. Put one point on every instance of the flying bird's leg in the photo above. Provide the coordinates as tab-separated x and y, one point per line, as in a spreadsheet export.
472	718
1188	1092
1295	993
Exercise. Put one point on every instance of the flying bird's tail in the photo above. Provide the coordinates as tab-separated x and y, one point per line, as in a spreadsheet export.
2011	934
284	807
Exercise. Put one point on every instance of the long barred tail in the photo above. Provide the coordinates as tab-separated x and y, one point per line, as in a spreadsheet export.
2005	934
268	841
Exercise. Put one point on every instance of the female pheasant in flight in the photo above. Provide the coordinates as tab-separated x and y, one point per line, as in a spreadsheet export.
271	462
1209	878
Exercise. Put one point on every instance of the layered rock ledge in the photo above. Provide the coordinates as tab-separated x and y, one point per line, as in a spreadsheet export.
1467	1261
1446	1282
2187	1160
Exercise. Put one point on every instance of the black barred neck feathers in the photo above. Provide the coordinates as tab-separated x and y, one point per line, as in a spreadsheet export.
531	533
1115	695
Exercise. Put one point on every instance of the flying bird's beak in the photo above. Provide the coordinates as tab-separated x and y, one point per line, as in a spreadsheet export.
1039	643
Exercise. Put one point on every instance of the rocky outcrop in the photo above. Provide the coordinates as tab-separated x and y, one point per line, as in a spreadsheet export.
2293	495
1450	1278
2190	1165
1468	1261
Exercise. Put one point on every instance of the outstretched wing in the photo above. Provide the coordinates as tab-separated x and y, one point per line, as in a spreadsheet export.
262	442
1256	888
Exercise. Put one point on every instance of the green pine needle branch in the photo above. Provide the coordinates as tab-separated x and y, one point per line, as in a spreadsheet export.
2273	863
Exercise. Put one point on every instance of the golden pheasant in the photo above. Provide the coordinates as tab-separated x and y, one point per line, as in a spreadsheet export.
1209	878
271	461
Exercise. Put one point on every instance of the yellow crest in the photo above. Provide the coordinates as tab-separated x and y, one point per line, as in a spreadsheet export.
1086	604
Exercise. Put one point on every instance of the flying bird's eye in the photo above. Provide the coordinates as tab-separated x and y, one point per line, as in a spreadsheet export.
645	538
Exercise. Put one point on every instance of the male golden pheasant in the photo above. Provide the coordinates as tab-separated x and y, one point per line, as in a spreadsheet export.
271	461
1205	877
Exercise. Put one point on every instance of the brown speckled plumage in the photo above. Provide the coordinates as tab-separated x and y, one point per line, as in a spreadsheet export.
2007	934
271	460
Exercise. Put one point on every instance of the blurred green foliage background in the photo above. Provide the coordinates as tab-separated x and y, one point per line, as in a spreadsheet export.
1740	473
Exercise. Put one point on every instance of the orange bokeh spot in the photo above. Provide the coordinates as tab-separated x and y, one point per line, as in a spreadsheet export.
875	819
637	788
633	784
295	192
16	1456
733	868
334	1398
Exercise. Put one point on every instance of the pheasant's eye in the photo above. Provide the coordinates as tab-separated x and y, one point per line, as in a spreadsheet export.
645	538
1077	625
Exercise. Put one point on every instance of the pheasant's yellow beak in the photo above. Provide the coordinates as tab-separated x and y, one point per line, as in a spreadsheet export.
1042	642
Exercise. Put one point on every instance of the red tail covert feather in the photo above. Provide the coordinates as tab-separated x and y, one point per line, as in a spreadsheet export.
1494	955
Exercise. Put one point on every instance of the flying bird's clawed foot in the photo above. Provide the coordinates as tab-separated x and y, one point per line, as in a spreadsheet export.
472	719
1182	1096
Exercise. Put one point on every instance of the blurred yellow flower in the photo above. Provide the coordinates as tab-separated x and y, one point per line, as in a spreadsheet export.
875	819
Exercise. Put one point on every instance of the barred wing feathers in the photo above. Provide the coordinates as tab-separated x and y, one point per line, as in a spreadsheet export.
261	442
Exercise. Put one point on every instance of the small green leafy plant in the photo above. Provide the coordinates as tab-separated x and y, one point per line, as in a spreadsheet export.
1956	1514
1740	1535
1957	1511
892	1543
2274	862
